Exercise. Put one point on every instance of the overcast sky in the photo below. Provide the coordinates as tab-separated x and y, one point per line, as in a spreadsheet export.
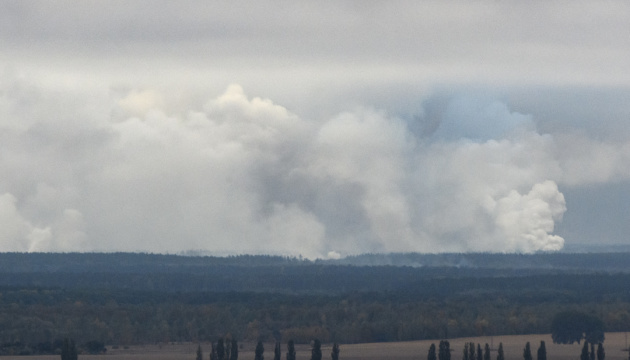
320	128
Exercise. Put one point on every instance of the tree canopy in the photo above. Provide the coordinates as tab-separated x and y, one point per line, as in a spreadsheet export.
568	327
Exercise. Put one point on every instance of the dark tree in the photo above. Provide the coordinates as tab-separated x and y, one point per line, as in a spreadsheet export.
486	352
290	350
334	355
228	348
444	351
585	355
260	349
601	355
568	327
432	355
220	349
234	351
277	351
465	352
592	354
500	354
471	351
542	351
213	352
199	353
69	350
479	352
73	351
527	352
316	351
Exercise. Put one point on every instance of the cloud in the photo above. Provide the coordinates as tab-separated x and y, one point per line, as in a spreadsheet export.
236	174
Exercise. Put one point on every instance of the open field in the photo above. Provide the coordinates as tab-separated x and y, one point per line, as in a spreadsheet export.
513	347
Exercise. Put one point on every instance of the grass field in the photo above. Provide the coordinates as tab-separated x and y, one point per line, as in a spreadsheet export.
513	347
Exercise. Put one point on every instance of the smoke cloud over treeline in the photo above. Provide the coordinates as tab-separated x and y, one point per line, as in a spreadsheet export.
242	174
313	128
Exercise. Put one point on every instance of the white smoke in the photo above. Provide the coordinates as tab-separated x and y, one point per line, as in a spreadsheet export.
241	175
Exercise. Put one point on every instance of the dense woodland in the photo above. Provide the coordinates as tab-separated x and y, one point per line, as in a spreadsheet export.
120	299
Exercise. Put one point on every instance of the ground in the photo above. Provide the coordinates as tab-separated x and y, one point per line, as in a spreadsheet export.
615	346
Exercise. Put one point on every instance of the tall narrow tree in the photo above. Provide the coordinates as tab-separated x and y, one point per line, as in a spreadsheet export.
213	352
500	354
432	355
592	353
585	355
199	353
277	351
334	355
444	352
65	349
601	354
527	352
486	352
73	351
234	351
220	349
291	350
316	351
542	352
465	355
479	352
69	350
260	350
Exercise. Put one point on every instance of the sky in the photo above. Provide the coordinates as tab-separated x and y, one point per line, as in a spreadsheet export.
314	128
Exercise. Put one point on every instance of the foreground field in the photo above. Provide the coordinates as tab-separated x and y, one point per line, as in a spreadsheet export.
615	346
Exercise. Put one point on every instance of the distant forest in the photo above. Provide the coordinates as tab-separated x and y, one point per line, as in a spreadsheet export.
123	298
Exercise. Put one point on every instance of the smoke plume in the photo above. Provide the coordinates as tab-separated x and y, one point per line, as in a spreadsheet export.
245	175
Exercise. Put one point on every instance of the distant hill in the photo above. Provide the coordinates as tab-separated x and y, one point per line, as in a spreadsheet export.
369	272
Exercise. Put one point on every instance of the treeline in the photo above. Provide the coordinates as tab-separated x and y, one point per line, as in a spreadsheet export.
316	279
414	283
612	262
118	317
66	348
122	299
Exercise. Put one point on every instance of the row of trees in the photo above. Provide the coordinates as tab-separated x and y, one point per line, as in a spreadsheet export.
223	350
228	350
590	355
472	352
469	353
